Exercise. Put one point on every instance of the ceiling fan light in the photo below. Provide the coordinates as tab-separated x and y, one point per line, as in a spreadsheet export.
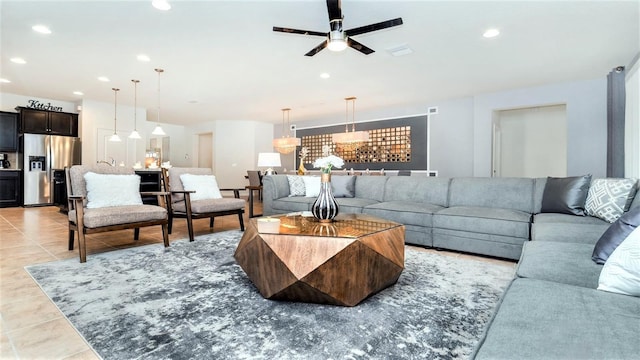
337	45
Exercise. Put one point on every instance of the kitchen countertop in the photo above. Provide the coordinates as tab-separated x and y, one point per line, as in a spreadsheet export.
3	169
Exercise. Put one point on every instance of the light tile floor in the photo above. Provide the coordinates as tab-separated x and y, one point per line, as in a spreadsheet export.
31	326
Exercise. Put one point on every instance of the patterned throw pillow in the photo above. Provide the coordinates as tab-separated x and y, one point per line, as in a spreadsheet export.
609	198
296	186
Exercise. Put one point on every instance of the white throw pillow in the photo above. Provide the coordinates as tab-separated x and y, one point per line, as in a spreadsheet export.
105	190
311	186
205	186
621	273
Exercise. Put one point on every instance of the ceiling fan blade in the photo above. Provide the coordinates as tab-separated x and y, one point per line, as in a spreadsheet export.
334	9
373	27
297	31
357	46
317	49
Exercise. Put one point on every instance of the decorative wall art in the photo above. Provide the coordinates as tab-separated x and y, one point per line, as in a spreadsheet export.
393	144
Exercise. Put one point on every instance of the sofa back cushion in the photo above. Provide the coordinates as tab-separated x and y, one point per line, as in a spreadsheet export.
432	190
506	193
371	187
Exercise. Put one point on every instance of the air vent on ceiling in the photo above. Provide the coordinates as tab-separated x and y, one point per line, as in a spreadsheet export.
400	50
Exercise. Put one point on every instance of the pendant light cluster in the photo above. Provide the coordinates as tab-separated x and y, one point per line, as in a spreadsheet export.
350	140
286	144
135	134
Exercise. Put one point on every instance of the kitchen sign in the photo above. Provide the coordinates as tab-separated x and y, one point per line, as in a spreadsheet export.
35	104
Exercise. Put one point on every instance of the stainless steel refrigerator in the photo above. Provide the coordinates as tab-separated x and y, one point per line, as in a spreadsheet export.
41	156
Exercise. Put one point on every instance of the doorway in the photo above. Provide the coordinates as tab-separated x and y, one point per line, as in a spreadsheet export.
530	142
205	150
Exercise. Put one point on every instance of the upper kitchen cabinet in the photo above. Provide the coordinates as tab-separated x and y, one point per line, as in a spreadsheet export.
48	122
8	132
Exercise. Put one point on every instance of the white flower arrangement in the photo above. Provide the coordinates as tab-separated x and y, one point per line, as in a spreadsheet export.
327	163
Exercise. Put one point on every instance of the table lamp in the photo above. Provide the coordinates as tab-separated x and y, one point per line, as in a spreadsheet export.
269	160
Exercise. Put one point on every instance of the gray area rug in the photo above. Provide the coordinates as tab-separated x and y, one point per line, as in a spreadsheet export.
193	301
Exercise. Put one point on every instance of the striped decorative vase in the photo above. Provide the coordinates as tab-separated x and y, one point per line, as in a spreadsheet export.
325	208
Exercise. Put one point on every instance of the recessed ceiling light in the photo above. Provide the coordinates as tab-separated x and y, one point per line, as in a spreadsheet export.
78	93
41	29
18	60
3	80
193	101
103	78
161	5
143	57
491	33
325	75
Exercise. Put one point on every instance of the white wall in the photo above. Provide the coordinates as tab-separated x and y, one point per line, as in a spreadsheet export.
632	120
586	122
236	144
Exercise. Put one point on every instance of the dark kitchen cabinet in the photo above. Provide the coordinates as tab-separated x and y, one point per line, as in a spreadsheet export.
10	188
8	132
48	122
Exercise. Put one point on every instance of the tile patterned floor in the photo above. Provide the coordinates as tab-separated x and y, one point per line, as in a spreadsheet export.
31	327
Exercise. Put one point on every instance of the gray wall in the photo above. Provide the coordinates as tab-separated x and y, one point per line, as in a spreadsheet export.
461	133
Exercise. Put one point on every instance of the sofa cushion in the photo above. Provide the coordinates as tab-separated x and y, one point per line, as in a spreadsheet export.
485	220
566	218
507	247
371	187
343	186
432	190
567	232
211	205
509	193
540	319
566	195
615	234
353	205
404	212
609	198
621	273
94	218
567	263
291	204
311	186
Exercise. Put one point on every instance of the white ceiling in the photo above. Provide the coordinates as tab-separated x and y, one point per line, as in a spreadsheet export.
224	56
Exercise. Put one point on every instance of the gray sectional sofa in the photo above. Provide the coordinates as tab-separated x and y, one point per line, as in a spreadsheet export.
552	309
488	216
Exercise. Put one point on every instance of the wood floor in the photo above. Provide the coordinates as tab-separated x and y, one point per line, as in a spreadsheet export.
31	326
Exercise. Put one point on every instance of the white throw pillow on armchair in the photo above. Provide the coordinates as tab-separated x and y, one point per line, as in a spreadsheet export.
105	190
205	186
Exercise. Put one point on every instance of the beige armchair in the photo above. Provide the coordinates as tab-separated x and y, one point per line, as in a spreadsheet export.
99	203
183	206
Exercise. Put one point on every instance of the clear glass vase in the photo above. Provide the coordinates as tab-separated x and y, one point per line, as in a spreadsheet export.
325	208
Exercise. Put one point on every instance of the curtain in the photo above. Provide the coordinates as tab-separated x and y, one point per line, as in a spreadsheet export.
615	122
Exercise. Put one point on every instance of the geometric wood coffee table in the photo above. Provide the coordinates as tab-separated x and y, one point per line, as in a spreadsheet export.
341	263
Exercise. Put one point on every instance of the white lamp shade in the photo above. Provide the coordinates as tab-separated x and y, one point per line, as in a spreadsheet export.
115	138
134	135
269	159
158	131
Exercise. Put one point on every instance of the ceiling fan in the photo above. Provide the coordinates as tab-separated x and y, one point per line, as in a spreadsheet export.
338	39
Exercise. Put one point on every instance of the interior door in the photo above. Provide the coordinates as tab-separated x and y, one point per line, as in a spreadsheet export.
530	142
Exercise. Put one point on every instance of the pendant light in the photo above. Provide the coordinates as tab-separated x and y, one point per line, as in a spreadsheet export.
158	130
134	133
354	139
286	144
115	137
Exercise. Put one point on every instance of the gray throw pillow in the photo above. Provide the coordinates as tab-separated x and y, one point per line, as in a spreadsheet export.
343	186
566	195
615	235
